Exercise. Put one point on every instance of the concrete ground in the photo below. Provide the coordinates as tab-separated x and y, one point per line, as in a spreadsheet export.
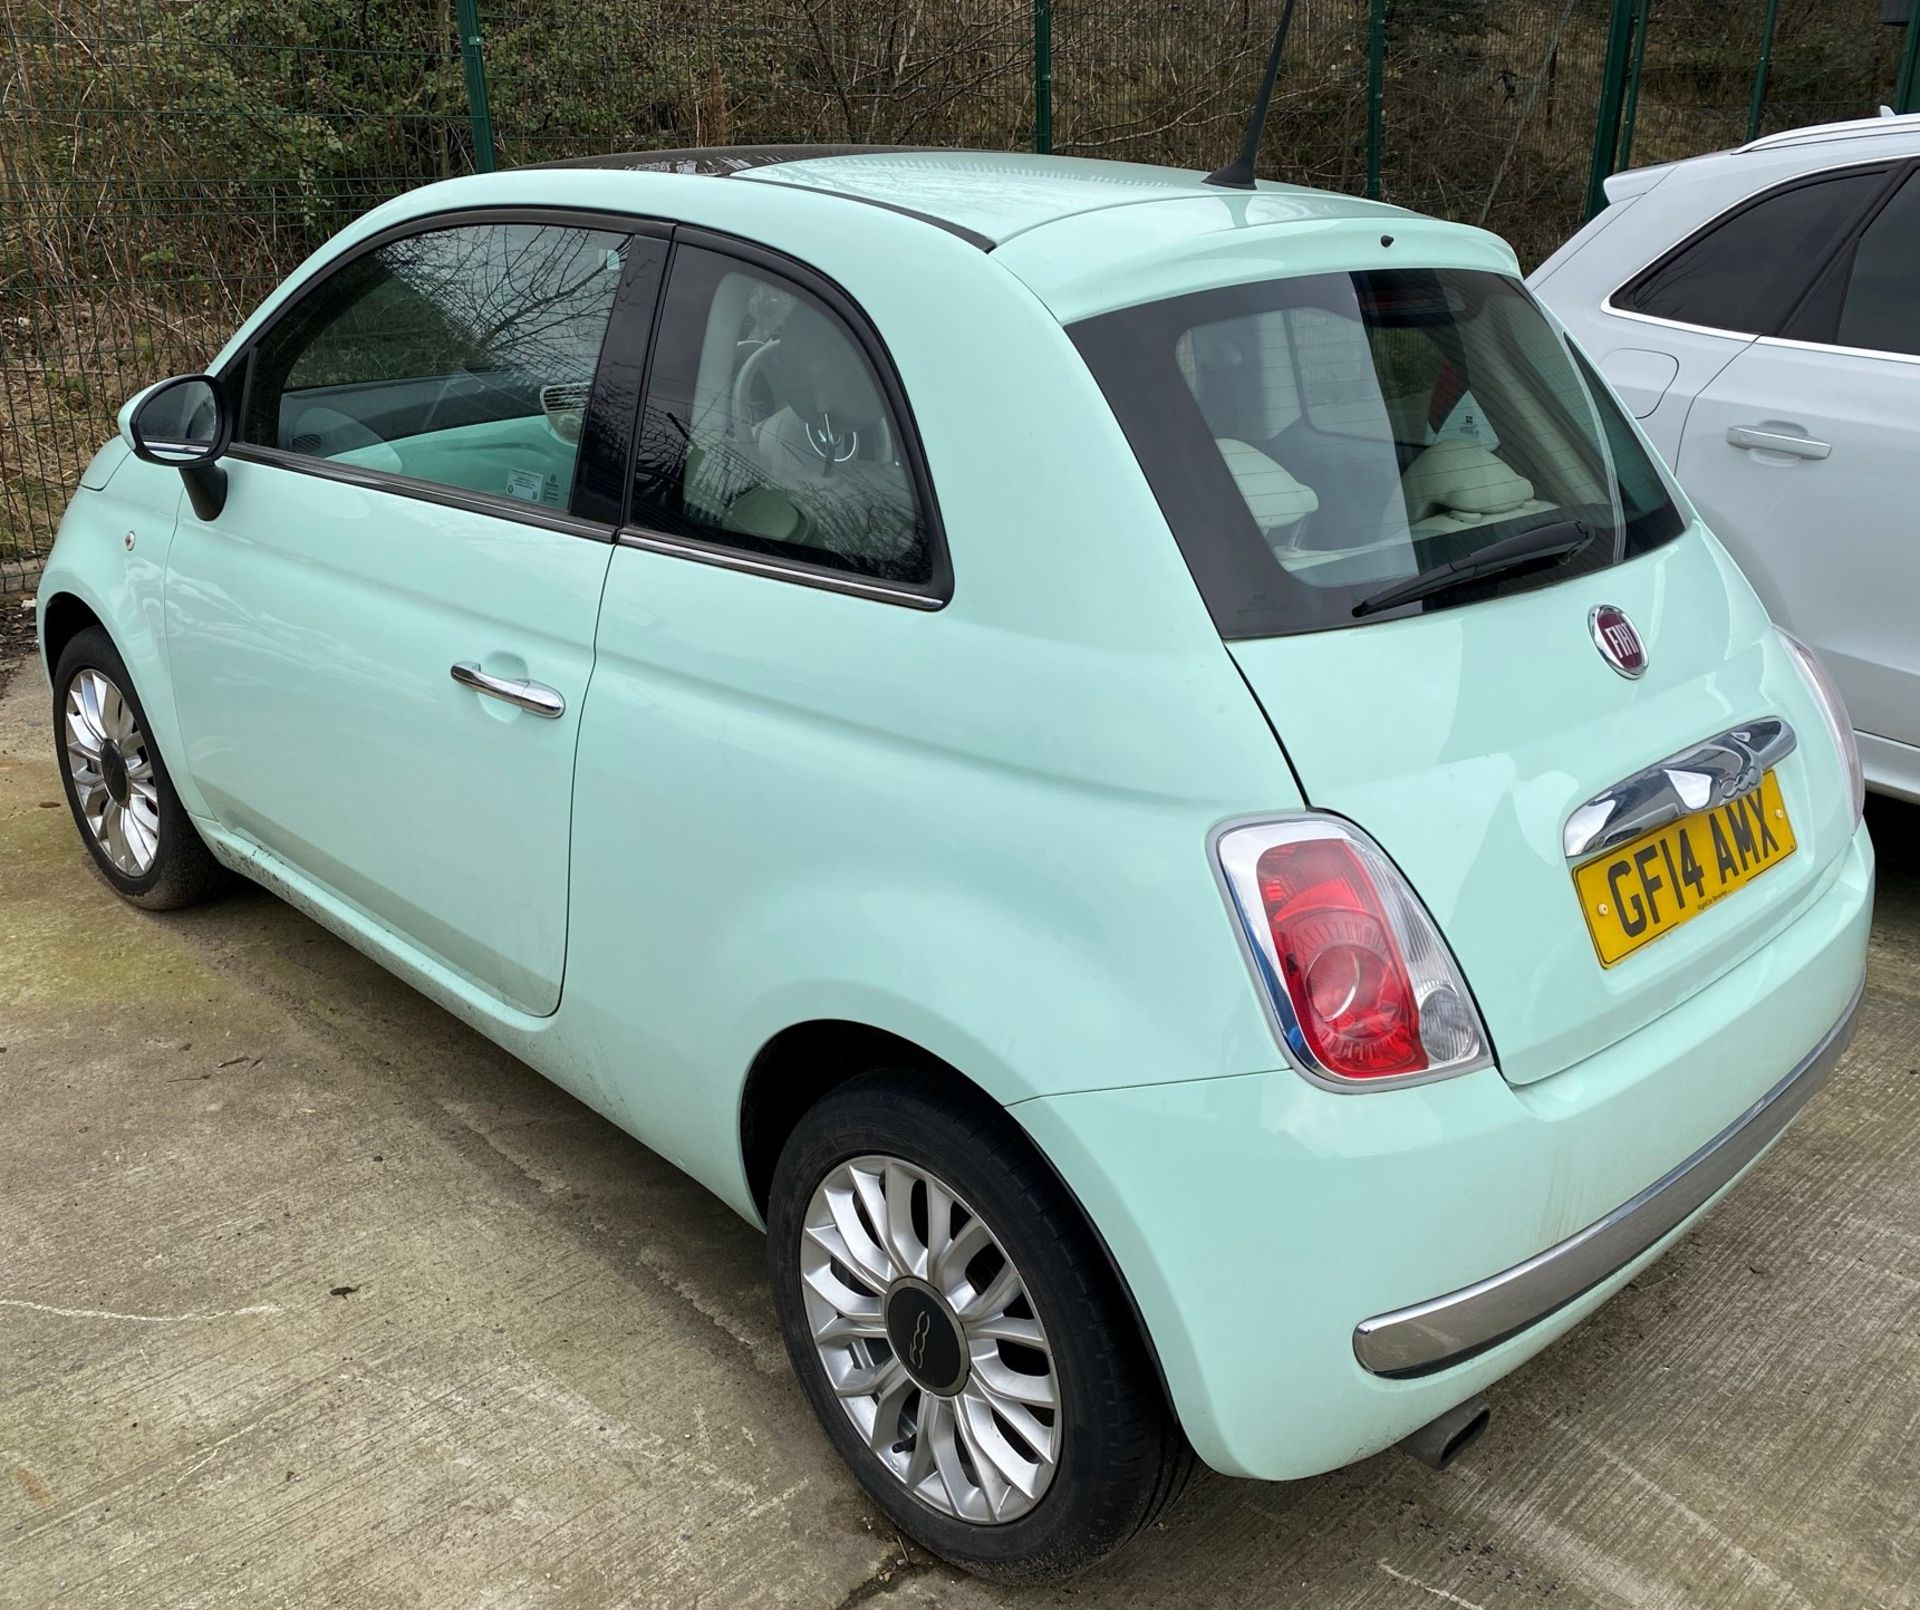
309	1296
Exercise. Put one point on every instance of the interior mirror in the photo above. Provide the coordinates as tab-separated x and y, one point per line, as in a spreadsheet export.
185	423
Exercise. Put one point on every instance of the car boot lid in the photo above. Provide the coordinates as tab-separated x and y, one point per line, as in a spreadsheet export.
1467	740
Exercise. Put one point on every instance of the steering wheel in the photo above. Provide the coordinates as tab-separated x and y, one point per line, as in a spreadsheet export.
872	443
739	427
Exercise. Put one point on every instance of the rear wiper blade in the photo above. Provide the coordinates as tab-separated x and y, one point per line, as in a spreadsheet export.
1557	541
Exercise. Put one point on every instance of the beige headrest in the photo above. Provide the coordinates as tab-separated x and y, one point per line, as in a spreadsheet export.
1273	496
1463	477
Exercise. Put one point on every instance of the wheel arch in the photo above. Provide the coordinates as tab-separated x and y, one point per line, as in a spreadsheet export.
803	1062
90	582
63	617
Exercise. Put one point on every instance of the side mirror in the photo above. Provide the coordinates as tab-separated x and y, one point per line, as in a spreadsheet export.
186	424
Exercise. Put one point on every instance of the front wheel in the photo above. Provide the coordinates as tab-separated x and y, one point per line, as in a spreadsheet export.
123	802
960	1335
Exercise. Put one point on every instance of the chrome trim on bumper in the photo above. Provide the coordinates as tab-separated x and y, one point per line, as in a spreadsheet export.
1444	1331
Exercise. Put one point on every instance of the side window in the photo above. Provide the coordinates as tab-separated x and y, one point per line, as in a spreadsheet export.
1746	272
1881	309
459	356
766	429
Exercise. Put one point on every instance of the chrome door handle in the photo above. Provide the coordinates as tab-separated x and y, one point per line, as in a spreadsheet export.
1773	441
534	697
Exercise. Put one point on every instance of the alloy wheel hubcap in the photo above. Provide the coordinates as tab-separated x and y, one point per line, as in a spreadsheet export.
929	1340
112	770
926	1336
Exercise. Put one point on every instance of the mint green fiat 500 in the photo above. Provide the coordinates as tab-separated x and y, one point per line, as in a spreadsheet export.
1151	776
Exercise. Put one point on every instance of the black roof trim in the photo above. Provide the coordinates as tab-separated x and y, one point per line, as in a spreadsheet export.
972	237
722	161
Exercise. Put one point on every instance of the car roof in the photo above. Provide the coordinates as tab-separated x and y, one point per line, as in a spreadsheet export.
1858	128
988	197
1816	145
1084	236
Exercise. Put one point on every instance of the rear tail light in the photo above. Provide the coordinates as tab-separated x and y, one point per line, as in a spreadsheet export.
1839	723
1361	987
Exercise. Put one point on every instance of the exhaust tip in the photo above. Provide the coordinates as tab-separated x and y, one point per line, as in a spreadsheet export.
1444	1438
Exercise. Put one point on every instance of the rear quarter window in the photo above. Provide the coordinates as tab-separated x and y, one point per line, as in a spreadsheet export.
768	430
1745	272
1881	310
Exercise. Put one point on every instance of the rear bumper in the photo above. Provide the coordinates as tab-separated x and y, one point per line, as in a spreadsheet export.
1445	1331
1258	1219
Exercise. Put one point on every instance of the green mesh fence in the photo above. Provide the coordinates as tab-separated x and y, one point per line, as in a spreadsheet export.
163	163
627	75
162	166
1830	59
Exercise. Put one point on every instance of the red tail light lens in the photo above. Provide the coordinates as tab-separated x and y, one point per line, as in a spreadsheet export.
1361	984
1338	962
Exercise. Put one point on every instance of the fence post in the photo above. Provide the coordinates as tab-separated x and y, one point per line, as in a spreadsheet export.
1043	76
1376	94
1906	95
1762	68
479	112
1606	122
1642	17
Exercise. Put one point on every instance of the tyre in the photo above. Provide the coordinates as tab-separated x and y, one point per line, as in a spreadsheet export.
117	786
960	1334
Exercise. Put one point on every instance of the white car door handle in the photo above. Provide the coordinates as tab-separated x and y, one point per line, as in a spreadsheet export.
535	697
1774	441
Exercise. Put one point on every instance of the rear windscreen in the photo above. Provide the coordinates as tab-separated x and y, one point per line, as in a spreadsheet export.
1315	440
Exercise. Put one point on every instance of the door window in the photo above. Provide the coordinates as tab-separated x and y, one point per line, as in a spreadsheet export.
1747	271
767	430
462	357
1881	309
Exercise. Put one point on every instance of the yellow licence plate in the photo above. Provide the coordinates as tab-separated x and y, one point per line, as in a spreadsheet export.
1634	894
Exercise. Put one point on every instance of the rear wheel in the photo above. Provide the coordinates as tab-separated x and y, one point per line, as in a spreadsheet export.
961	1336
117	786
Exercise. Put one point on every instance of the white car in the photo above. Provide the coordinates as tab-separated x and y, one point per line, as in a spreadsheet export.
1759	310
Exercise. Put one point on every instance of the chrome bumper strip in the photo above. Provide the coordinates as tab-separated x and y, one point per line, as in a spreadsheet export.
1444	1331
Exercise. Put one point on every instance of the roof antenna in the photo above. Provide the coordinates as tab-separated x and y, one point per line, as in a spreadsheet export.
1238	174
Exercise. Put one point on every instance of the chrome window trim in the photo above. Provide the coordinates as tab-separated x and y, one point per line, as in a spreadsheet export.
537	515
726	558
1444	1331
1697	778
1608	306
